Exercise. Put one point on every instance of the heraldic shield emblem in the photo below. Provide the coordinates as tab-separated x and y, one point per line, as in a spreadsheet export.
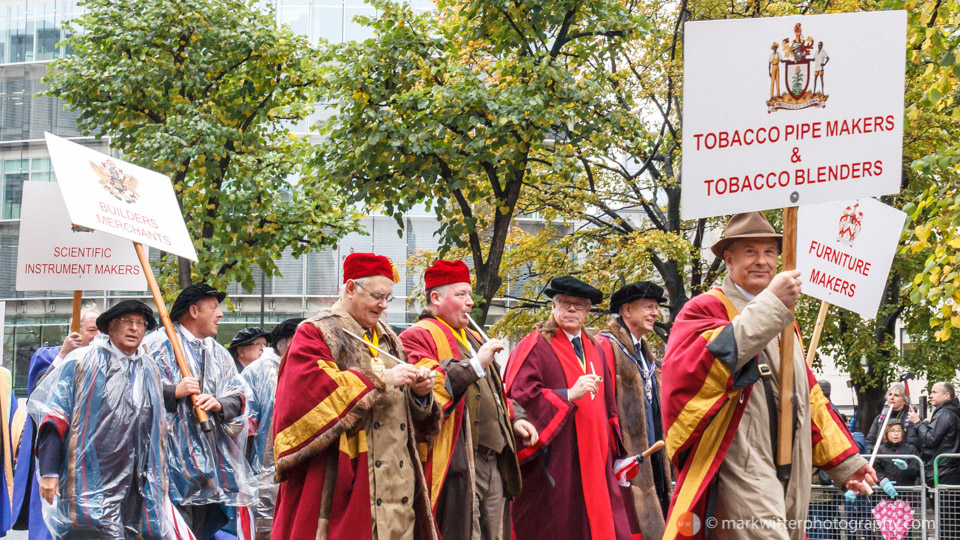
799	75
796	68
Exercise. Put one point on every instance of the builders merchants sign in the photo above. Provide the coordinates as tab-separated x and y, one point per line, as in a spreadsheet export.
119	198
845	249
790	111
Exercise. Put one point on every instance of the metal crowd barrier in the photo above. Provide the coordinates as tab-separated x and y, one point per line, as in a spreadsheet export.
830	517
946	496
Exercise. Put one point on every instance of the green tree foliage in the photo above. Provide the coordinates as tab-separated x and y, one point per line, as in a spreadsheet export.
464	108
935	216
204	92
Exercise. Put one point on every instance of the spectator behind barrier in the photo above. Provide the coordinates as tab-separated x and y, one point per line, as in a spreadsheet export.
905	472
896	396
939	435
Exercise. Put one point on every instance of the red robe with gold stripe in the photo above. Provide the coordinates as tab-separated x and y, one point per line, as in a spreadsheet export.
427	343
703	401
569	490
326	394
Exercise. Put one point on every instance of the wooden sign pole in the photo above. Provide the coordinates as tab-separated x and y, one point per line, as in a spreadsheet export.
817	330
77	302
787	337
205	423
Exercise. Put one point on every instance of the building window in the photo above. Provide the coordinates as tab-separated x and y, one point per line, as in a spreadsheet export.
32	30
14	173
48	35
13	178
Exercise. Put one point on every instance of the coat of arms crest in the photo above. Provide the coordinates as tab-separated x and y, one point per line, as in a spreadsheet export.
116	182
796	70
850	223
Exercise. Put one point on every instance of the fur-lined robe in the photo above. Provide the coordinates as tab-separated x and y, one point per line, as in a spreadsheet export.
344	441
569	490
631	405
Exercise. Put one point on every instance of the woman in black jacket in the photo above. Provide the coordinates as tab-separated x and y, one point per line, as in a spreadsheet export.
898	398
890	468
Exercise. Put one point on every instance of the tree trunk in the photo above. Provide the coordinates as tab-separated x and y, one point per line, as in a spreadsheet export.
870	400
183	272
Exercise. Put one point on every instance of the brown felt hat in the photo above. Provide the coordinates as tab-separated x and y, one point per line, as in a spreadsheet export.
748	225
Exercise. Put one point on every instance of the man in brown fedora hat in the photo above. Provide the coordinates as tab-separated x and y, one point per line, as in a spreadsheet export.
720	386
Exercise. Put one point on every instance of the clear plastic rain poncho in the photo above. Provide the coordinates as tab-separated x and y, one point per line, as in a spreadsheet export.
261	377
108	410
205	468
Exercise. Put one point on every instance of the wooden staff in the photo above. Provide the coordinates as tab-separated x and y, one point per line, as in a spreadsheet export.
655	447
817	330
205	423
785	426
77	301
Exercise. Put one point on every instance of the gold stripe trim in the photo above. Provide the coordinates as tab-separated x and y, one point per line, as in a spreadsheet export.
349	386
700	465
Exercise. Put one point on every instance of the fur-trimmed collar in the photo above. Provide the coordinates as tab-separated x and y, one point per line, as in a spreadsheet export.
619	330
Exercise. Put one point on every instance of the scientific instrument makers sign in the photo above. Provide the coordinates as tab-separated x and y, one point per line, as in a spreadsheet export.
789	111
56	255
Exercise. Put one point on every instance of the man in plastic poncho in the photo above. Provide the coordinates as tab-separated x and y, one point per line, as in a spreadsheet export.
261	377
207	470
26	499
100	449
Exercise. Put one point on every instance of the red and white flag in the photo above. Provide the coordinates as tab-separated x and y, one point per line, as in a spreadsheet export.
245	523
176	527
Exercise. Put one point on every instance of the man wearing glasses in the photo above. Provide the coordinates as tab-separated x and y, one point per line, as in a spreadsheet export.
559	376
101	421
348	408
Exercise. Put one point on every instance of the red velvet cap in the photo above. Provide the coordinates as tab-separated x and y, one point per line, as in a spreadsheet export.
361	265
446	272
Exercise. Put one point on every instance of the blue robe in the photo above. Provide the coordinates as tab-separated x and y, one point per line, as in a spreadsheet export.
8	407
26	489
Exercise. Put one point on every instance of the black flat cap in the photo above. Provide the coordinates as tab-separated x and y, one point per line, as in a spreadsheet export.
190	296
637	290
124	308
247	336
284	330
572	286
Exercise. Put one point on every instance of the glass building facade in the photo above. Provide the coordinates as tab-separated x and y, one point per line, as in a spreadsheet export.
29	33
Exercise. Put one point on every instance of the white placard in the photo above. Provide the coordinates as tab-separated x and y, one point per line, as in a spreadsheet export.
119	198
55	255
818	118
845	249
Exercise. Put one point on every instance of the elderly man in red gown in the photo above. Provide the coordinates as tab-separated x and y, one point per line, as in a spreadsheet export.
347	409
560	377
472	464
